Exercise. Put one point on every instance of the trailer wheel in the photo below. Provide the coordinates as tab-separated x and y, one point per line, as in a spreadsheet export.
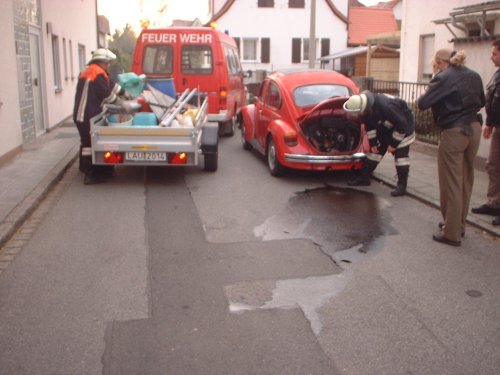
210	162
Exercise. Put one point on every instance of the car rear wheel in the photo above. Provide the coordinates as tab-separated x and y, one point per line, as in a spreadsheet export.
274	165
246	145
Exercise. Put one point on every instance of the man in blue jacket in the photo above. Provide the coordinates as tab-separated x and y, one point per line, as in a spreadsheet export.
492	131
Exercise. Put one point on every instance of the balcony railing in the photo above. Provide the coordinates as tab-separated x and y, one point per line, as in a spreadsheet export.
425	128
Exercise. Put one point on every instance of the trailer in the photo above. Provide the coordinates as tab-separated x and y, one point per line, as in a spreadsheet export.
164	144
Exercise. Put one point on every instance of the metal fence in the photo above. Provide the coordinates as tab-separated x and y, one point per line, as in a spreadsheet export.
425	128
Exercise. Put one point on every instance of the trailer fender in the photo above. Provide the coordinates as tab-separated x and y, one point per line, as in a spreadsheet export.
210	138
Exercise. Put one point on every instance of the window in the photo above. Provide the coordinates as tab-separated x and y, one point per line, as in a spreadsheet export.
65	59
305	96
81	57
196	59
273	98
265	3
426	56
232	61
158	59
249	49
56	62
71	59
296	3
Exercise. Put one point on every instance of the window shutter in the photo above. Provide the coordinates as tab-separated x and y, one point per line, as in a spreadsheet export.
296	3
325	47
295	50
265	49
238	41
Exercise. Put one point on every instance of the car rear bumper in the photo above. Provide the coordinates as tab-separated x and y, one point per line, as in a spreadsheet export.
325	159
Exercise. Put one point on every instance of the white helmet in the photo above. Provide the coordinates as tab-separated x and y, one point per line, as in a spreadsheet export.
356	104
102	54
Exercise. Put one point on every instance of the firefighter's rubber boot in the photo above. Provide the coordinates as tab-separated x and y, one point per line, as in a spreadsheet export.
91	174
364	176
400	189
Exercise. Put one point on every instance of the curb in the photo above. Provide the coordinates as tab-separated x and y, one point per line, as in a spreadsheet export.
28	205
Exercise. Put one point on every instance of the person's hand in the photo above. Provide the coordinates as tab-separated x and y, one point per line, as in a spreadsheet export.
487	131
374	150
391	149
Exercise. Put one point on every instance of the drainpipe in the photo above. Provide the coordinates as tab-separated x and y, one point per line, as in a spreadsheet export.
312	36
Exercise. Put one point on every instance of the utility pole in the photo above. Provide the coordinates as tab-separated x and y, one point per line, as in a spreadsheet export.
312	36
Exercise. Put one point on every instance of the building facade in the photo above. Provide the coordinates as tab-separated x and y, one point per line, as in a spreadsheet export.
275	34
468	25
45	44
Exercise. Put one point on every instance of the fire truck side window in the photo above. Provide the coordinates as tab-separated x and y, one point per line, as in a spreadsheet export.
196	59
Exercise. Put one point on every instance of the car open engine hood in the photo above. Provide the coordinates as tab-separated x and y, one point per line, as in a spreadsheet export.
328	129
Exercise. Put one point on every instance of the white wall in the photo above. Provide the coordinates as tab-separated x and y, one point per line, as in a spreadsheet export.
281	24
10	121
417	21
73	20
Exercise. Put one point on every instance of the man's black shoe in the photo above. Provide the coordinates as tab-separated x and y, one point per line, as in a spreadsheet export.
496	221
484	209
439	237
441	226
359	181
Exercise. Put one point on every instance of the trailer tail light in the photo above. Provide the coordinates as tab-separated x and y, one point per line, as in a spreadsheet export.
113	157
290	137
178	158
223	97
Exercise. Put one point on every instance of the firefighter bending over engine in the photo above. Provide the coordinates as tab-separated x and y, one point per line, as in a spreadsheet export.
93	92
390	127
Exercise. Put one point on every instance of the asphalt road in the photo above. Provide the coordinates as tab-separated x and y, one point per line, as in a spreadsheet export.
180	271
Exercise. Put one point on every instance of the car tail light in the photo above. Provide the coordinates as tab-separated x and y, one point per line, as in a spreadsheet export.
290	137
223	96
113	157
178	158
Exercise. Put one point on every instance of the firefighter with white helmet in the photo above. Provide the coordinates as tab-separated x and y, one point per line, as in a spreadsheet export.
390	127
93	91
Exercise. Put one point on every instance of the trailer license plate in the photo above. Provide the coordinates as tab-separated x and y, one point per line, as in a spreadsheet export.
146	156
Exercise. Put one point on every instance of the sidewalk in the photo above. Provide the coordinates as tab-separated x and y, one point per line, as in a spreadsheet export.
423	182
30	175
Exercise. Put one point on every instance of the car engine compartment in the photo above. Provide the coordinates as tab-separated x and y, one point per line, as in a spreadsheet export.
332	134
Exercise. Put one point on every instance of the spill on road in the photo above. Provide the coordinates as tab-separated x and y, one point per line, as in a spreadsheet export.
336	219
348	225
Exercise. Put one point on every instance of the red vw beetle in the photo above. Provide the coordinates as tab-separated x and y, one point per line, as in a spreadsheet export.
297	121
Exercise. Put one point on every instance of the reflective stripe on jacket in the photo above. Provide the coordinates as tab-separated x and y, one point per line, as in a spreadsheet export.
94	89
